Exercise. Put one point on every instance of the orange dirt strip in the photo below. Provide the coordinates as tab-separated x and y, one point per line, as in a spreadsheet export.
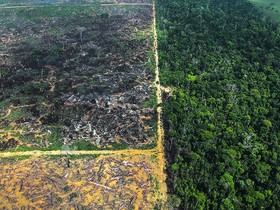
160	130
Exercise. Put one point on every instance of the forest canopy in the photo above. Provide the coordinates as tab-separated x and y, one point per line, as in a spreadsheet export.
221	58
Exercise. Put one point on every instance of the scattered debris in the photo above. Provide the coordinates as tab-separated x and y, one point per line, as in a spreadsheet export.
86	73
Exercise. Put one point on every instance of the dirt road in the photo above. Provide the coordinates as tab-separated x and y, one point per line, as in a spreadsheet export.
160	131
75	152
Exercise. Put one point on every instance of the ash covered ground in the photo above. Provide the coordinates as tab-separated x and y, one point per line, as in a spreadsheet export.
77	76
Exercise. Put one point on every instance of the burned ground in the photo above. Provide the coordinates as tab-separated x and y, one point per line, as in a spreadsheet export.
77	76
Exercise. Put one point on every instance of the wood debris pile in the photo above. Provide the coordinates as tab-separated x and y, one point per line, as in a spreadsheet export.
91	183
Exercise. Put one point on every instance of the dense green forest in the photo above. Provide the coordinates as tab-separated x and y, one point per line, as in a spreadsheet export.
221	58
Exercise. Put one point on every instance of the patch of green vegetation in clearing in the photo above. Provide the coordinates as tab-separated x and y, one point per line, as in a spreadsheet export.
119	146
28	139
79	145
152	145
3	104
40	12
154	158
269	7
49	11
6	128
55	143
17	114
151	63
142	35
154	182
53	139
152	102
85	145
10	1
125	9
19	149
42	2
14	159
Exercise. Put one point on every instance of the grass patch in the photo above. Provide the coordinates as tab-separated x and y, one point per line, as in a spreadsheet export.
154	182
149	146
143	35
14	159
17	114
151	64
84	145
119	146
10	1
153	100
54	139
27	138
20	149
154	158
48	11
3	104
44	2
269	7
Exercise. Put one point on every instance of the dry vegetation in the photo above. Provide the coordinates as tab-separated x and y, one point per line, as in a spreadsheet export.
104	182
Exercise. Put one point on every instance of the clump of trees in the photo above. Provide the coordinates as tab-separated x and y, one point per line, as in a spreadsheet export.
222	122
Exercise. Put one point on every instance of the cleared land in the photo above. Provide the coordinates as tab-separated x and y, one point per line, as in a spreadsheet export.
86	182
77	76
79	122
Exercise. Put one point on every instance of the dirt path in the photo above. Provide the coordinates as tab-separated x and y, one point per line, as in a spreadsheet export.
81	152
8	113
160	131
